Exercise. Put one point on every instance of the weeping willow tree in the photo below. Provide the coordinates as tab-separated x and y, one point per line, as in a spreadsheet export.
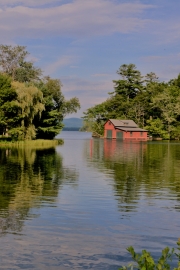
30	104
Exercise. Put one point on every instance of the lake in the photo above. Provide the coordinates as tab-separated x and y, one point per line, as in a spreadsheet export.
80	205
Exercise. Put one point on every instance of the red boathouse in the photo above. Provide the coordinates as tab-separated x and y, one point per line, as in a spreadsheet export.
124	130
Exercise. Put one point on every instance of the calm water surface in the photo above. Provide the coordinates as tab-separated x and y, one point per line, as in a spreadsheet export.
80	206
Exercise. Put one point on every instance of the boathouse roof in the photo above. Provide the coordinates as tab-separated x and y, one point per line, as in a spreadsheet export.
123	123
130	129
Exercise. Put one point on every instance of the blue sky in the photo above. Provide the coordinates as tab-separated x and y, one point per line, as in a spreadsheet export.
84	42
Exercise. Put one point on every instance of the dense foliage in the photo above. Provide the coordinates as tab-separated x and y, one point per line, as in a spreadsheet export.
153	105
31	106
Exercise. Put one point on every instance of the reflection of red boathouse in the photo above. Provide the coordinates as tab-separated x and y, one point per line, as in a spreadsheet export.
124	130
116	150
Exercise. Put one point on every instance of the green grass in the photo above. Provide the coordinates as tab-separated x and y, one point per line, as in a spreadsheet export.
37	144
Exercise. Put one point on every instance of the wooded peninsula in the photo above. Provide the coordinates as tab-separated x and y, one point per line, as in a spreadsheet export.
32	106
153	105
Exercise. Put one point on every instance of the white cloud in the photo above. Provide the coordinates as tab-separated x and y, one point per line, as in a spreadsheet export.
63	61
72	84
165	66
100	75
163	58
29	3
89	92
74	66
78	18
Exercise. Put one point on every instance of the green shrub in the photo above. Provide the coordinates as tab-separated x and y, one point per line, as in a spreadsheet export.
145	261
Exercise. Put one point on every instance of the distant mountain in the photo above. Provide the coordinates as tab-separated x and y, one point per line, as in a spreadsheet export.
72	123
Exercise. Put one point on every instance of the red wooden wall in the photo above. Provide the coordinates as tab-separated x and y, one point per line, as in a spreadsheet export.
135	135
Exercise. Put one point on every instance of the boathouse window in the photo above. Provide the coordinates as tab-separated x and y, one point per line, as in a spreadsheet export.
109	123
141	133
131	133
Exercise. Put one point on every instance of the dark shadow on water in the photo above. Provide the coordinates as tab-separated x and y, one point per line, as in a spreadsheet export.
29	177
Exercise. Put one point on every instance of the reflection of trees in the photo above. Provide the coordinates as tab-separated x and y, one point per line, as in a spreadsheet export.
27	177
138	168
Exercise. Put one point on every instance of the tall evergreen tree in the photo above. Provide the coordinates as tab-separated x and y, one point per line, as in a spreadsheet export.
131	82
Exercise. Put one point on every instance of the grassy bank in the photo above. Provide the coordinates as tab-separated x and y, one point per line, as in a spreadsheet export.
37	144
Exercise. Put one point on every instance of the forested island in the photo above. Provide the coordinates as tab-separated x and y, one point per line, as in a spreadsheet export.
152	104
32	106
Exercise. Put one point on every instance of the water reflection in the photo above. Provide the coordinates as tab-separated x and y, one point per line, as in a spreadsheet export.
126	194
139	169
29	177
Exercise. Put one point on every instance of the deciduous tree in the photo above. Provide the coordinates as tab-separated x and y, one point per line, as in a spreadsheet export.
56	108
13	62
8	106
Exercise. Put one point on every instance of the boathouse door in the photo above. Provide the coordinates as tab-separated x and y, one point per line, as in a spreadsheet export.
109	134
119	135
